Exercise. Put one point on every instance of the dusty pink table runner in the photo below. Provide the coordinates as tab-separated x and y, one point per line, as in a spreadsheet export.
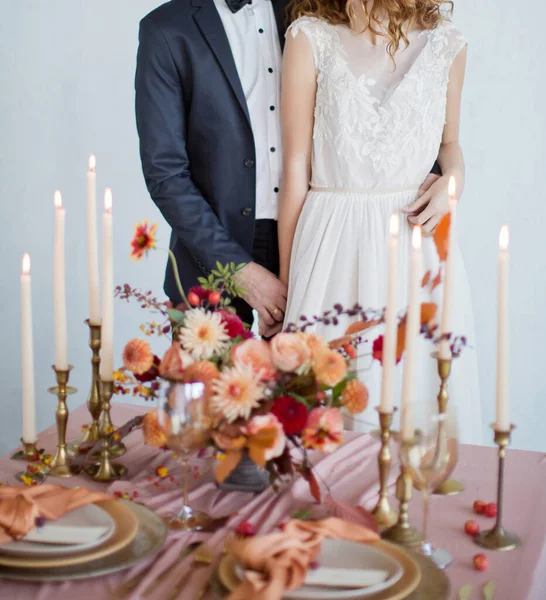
351	476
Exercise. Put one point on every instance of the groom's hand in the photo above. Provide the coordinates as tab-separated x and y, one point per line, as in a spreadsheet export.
265	293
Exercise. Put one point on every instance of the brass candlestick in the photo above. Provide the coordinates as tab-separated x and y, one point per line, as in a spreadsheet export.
383	512
94	402
403	533
33	473
450	486
105	422
106	470
497	538
61	467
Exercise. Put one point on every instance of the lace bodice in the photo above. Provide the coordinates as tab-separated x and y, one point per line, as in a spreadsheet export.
376	126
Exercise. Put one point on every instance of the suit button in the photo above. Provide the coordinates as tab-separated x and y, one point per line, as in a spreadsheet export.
249	163
246	212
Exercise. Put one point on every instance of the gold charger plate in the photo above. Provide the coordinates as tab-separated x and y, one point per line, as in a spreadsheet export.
126	529
150	538
400	590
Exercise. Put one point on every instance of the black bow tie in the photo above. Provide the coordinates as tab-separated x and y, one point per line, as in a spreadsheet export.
236	5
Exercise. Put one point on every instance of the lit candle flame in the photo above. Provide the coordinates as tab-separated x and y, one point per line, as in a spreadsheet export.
26	264
58	199
416	237
394	225
108	200
92	162
504	237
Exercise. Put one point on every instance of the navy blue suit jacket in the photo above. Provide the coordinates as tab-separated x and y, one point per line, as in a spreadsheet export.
196	142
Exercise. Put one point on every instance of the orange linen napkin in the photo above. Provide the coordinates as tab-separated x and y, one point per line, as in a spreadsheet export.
279	561
20	506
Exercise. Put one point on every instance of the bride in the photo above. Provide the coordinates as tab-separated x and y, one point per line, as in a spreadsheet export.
371	97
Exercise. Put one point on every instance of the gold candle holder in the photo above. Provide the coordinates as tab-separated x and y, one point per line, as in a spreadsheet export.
94	401
450	486
105	469
403	533
384	514
497	538
105	422
36	474
61	466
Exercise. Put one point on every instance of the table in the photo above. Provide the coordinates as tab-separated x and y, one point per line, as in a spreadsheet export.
351	474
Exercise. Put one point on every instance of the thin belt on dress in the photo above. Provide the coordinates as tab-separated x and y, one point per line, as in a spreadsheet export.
412	188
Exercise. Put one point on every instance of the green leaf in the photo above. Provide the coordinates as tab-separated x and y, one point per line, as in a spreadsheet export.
338	389
202	280
227	301
176	316
301	515
299	398
240	266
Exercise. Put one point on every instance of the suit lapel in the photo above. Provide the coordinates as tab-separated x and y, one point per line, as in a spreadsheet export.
209	22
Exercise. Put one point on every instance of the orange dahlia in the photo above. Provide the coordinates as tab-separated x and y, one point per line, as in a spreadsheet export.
153	433
138	357
355	396
143	240
205	372
330	367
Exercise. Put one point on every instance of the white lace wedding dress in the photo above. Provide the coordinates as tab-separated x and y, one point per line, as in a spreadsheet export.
376	135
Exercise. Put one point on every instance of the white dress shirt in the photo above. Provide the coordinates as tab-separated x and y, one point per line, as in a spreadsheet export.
254	40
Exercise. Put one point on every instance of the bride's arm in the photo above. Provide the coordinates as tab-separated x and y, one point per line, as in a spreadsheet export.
428	209
298	105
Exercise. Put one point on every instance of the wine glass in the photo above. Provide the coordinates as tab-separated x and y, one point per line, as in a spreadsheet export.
430	456
183	417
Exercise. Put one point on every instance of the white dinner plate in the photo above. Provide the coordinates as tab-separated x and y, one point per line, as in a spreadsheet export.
95	523
342	554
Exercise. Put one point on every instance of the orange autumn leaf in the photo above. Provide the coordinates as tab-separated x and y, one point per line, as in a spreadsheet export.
362	326
428	312
441	236
340	342
426	279
259	444
227	465
437	280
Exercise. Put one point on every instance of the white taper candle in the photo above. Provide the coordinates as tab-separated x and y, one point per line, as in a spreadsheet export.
391	320
446	323
27	355
413	325
107	332
92	243
503	392
61	360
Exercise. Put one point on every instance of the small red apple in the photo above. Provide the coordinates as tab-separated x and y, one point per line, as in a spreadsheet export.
481	563
491	510
194	299
479	507
472	528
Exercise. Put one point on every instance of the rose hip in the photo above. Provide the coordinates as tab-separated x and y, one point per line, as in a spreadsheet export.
491	510
472	528
479	507
481	563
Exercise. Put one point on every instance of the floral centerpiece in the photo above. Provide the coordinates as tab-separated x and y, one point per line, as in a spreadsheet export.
270	401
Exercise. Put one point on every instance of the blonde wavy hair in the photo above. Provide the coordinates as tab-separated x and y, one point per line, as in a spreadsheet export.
401	16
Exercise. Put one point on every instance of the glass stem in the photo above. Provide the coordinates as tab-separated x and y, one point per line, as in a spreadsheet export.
185	475
426	504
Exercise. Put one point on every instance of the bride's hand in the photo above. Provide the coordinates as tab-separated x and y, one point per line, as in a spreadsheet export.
431	205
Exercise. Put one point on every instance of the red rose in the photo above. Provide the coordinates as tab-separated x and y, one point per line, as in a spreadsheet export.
233	323
291	413
377	350
152	373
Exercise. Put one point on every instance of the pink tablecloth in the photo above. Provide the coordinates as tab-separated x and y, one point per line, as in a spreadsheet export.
351	475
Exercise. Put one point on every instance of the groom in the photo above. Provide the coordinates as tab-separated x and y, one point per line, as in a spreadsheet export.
208	116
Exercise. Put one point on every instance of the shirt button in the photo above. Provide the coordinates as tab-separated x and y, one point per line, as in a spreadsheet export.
276	189
271	108
260	30
270	70
249	163
246	212
272	149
